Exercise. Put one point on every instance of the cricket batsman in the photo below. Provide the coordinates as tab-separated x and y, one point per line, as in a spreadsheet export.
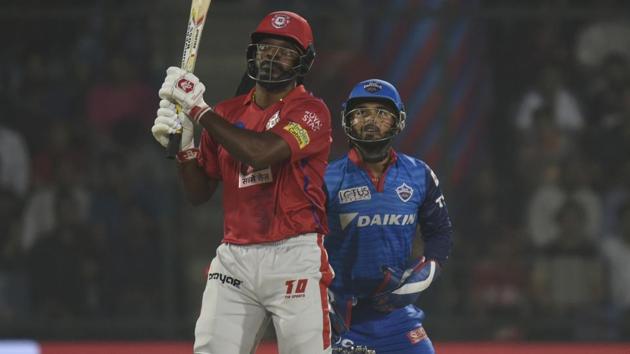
269	148
377	199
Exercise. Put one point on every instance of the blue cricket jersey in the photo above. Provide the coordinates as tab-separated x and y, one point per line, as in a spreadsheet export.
374	225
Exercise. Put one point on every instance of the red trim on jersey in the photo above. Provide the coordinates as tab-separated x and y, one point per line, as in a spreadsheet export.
324	282
385	281
379	184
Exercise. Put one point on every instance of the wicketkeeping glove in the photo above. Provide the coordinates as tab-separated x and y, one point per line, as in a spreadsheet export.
402	287
185	89
340	312
169	122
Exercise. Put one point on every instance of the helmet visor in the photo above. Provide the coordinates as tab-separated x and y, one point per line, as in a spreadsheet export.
370	124
272	63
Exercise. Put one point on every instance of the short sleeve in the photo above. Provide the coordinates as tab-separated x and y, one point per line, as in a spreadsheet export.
208	157
305	127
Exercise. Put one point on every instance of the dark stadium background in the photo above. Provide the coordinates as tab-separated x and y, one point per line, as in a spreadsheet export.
522	108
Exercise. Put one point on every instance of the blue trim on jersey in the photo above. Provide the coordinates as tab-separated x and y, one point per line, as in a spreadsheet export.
307	181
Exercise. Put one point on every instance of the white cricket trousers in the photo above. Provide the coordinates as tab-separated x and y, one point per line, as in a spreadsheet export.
249	285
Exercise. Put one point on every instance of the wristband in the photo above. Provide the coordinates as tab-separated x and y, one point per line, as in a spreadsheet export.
198	111
187	155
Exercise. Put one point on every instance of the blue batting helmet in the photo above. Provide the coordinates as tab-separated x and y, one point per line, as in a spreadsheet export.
370	91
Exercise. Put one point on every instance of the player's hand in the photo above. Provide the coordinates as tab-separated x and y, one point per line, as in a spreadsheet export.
169	122
403	287
185	89
340	312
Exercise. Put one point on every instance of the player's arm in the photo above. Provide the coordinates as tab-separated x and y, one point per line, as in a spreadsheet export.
256	149
435	223
402	287
198	187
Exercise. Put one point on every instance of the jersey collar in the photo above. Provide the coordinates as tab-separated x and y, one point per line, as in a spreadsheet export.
355	157
379	184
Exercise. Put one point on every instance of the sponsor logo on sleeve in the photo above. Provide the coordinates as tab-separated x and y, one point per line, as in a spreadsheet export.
300	134
354	194
416	335
312	120
404	192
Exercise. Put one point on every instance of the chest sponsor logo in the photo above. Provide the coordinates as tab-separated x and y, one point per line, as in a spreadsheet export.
300	134
275	118
376	220
252	178
312	120
354	194
404	192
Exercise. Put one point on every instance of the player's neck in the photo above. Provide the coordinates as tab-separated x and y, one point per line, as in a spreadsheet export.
377	168
265	98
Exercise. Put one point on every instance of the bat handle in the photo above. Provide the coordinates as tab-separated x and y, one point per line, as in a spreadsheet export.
174	141
173	145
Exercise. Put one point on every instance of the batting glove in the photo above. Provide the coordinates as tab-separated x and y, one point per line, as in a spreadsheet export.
403	287
185	89
168	122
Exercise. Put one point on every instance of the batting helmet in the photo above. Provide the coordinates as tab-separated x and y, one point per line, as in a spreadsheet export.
287	24
374	90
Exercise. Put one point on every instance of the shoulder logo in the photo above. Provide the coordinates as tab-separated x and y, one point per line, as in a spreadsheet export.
312	120
404	192
300	134
275	118
354	194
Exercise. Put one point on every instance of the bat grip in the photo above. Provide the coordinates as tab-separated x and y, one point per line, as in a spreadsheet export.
174	141
173	145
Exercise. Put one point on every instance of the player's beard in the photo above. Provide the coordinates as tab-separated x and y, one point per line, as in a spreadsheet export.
373	151
274	76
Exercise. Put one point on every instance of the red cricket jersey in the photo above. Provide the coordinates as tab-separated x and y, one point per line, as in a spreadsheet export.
280	201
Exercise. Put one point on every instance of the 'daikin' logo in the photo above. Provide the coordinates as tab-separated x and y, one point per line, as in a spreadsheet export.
404	192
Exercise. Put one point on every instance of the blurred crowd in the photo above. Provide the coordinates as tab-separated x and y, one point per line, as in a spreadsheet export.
93	225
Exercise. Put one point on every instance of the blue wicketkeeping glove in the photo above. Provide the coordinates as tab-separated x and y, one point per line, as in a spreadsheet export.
340	312
402	287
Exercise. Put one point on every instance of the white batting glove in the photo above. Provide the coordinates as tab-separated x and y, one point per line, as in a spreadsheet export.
169	122
185	89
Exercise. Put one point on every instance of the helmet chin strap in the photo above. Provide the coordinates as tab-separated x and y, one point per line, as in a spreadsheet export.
372	152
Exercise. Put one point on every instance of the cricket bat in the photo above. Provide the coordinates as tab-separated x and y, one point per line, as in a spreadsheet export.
198	12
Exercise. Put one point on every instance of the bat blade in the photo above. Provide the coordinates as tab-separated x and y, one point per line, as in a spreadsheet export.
196	21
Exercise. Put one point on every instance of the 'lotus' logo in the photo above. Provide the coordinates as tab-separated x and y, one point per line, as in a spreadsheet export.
185	85
280	21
